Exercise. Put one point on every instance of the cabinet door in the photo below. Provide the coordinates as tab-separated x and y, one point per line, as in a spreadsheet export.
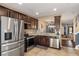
3	11
40	41
26	19
20	16
36	40
16	15
32	23
29	19
46	41
29	22
36	24
10	13
43	41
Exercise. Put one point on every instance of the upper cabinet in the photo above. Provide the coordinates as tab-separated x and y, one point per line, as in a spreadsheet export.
16	15
3	11
34	23
57	22
20	16
30	21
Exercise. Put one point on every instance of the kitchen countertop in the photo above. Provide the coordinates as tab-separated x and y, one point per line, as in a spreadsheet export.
44	34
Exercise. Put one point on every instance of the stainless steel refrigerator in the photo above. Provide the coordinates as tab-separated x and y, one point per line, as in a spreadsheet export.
11	36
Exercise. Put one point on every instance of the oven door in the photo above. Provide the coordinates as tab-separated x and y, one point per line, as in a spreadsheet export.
7	29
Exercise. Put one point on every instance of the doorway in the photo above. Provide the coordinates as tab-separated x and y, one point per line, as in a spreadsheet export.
67	36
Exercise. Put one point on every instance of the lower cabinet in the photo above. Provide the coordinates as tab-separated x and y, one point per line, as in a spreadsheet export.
41	40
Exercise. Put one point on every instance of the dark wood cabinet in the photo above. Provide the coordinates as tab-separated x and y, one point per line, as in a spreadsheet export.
36	23
57	22
29	19
25	18
31	22
16	15
3	11
41	40
44	41
11	13
20	16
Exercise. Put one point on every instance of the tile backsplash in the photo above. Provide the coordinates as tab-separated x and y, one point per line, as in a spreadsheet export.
29	31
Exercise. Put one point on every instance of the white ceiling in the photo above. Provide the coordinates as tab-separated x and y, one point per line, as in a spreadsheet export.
67	10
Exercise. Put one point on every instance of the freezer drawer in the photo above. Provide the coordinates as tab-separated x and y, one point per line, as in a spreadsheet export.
22	50
9	46
21	42
13	52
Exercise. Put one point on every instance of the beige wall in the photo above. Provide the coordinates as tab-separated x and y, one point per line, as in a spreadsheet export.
77	22
62	29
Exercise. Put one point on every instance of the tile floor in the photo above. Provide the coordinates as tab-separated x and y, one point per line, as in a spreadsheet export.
45	51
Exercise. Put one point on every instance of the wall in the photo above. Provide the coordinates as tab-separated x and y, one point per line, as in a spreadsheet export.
62	30
77	31
77	24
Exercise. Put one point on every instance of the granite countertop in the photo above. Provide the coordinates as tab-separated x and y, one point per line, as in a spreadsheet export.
43	34
32	35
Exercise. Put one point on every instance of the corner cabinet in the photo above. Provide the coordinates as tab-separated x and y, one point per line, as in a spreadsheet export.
41	40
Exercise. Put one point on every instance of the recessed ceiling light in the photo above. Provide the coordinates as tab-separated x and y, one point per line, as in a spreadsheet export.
37	13
20	3
54	9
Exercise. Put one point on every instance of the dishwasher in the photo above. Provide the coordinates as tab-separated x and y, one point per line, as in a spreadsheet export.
54	42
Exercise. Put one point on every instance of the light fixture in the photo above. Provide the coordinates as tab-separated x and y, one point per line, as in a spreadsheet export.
20	3
37	13
55	9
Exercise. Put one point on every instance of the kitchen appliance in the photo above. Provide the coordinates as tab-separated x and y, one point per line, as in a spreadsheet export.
10	43
21	36
54	43
29	43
